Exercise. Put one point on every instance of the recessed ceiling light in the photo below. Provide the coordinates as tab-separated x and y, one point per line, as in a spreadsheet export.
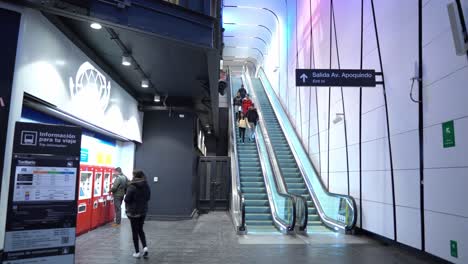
95	25
126	60
145	83
181	115
157	98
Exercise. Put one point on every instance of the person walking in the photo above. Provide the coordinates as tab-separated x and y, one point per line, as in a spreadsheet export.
136	204
252	117
237	103
242	123
246	103
242	91
119	187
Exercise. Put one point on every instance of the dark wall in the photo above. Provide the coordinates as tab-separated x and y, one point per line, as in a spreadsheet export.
9	26
167	152
222	142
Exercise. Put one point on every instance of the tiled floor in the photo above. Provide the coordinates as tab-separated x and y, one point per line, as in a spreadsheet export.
211	239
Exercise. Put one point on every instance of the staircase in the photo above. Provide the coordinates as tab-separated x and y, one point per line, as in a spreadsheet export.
258	217
292	176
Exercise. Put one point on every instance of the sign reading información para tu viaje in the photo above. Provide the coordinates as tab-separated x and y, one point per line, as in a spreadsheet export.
339	78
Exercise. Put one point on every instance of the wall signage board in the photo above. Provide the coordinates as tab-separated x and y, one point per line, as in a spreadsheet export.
9	26
339	78
453	249
41	212
448	134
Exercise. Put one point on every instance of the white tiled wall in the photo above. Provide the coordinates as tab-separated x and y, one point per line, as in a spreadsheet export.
445	98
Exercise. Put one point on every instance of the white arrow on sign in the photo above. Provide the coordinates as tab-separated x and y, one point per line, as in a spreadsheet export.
304	77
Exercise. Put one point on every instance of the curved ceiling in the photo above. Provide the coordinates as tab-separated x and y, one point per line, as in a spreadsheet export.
250	28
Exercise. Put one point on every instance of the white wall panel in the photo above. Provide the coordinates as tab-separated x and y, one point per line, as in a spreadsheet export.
354	184
374	125
436	156
378	218
377	186
446	99
435	20
407	192
440	229
353	154
339	182
405	150
440	59
338	160
337	139
446	191
409	226
314	144
375	155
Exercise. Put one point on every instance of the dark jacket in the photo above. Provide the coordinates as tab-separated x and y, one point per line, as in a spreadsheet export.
243	92
252	116
137	197
237	101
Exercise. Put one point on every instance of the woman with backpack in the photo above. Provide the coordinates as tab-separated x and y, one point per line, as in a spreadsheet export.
136	204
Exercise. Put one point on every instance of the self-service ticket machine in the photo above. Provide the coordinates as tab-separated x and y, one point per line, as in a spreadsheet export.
83	221
108	200
97	211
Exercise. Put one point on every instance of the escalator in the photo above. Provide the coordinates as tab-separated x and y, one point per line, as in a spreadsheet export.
258	217
292	176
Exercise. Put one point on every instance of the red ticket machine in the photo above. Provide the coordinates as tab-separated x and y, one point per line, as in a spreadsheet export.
108	202
83	221
97	208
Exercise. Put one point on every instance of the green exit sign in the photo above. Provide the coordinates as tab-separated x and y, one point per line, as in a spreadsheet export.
453	248
448	132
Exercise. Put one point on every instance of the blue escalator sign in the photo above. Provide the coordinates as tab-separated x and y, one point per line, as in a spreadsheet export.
339	78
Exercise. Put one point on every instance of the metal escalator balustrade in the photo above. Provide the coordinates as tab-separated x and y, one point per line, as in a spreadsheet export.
335	211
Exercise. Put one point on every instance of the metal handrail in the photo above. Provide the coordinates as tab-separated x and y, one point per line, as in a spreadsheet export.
274	159
263	162
235	166
332	223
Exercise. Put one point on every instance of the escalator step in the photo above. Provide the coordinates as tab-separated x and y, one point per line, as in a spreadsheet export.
258	216
251	190
257	203
258	222
257	209
253	184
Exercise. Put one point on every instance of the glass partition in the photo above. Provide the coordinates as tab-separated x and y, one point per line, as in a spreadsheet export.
336	211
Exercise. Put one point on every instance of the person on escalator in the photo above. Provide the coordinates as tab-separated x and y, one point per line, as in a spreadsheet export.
242	91
246	103
237	104
252	117
242	123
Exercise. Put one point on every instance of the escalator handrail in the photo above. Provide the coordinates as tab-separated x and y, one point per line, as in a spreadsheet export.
235	165
263	162
274	159
349	199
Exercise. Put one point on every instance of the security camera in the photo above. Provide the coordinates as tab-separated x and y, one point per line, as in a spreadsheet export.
338	118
